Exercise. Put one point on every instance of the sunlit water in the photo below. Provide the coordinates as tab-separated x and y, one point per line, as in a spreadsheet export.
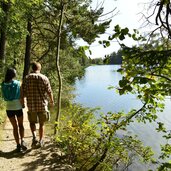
92	91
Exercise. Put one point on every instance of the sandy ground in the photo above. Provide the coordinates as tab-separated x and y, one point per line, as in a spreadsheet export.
43	159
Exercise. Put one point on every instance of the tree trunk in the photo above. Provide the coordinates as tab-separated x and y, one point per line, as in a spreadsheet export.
28	49
93	168
3	31
58	69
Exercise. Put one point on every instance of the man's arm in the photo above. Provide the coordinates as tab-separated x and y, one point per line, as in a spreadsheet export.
49	92
51	98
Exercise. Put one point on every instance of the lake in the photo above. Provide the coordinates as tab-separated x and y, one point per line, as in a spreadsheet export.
92	91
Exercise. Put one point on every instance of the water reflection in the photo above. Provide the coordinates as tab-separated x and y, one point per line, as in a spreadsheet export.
92	91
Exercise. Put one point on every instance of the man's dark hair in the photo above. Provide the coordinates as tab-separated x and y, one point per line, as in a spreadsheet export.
36	66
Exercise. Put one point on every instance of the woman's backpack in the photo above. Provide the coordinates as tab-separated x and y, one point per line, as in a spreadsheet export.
11	91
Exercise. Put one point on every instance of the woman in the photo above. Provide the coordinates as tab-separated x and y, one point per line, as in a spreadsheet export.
12	95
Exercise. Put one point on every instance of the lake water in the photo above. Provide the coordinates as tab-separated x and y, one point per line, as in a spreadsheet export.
92	91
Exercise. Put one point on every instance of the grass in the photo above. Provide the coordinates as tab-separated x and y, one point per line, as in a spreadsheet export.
2	116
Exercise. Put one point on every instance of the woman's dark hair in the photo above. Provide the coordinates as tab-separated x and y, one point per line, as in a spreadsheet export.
10	74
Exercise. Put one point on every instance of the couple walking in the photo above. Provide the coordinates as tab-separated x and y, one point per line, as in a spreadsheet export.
36	89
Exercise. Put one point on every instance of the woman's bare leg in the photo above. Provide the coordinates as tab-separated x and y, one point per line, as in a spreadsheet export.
21	127
15	129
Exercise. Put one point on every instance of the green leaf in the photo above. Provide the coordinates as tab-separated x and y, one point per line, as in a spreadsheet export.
107	44
122	83
125	31
121	91
122	37
129	88
117	28
110	87
85	47
143	80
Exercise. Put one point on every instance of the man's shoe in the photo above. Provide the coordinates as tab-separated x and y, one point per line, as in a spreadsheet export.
41	143
23	145
34	143
18	149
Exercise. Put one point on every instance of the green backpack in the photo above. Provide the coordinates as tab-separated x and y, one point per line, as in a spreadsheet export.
11	91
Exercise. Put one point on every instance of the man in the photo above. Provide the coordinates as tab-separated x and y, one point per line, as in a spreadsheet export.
36	89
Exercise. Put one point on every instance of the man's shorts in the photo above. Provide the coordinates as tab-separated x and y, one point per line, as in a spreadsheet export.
13	113
37	117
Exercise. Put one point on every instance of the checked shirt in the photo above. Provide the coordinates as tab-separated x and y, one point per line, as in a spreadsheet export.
36	87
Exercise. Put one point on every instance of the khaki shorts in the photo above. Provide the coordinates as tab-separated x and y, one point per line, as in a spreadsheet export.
38	117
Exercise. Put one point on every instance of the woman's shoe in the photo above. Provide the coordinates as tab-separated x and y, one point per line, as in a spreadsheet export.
18	149
23	145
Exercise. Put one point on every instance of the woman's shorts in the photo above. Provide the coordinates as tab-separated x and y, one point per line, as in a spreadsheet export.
37	117
13	113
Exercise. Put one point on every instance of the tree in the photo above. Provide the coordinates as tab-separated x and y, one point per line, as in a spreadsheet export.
146	70
114	58
53	27
163	15
68	17
62	7
31	9
28	49
97	61
5	6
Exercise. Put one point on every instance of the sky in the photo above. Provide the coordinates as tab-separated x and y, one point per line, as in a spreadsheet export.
128	16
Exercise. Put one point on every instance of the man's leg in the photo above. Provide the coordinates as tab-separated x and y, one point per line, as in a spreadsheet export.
32	117
42	119
41	131
41	134
33	130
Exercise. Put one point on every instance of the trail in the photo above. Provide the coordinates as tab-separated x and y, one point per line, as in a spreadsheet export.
47	158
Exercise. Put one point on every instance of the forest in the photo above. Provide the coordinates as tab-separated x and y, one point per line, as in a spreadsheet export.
47	31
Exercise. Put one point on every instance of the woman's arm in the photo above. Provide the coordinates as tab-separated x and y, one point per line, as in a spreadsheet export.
22	96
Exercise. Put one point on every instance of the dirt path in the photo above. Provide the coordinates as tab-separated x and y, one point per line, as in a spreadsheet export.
42	159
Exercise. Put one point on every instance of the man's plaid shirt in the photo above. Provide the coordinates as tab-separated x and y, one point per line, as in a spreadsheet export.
36	86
